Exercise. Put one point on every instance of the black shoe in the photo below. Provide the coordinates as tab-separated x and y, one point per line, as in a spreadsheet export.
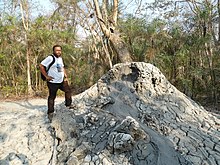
71	106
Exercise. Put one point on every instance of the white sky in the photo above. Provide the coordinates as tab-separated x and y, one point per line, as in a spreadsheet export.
47	6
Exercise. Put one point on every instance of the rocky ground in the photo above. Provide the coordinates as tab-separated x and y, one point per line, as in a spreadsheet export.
131	116
25	132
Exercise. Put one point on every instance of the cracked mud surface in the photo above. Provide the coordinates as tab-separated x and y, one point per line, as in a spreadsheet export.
25	134
131	116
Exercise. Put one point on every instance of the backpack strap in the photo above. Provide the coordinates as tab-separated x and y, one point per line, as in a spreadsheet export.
51	63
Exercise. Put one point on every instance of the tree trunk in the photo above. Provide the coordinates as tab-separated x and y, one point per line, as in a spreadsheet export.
120	47
112	34
209	54
26	27
30	90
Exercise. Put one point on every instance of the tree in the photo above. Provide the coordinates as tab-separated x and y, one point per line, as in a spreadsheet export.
24	9
108	24
199	21
135	36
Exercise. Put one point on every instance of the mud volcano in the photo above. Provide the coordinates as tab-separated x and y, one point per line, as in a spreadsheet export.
134	116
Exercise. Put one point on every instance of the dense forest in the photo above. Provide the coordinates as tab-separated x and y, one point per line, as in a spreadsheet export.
181	38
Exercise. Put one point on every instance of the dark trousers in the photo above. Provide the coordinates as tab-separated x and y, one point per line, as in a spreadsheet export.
53	88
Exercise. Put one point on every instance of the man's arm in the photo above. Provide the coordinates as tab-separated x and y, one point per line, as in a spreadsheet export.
43	71
65	75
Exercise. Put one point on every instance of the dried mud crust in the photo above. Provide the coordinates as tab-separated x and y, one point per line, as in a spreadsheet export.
26	105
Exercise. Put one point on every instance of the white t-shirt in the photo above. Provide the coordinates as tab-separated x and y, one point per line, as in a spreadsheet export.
56	70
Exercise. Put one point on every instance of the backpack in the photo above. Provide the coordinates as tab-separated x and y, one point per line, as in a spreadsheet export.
47	69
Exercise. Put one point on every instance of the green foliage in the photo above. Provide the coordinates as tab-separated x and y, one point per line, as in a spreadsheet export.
177	41
134	30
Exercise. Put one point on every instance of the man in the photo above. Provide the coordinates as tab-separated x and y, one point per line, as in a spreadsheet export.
56	78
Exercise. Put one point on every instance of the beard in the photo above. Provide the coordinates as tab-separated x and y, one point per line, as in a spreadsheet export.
57	54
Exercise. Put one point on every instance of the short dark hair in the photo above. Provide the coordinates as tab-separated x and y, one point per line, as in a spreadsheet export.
57	46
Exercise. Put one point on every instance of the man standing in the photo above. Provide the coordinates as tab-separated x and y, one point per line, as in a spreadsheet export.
56	78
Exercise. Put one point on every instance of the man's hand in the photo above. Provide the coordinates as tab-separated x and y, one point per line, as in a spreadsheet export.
65	79
49	78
